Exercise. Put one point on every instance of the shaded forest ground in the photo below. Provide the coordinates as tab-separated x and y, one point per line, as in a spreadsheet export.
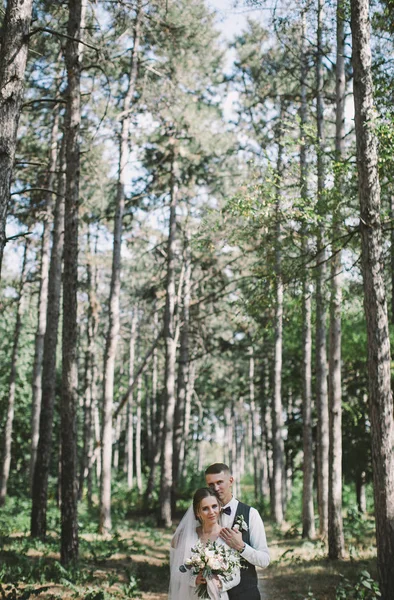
133	562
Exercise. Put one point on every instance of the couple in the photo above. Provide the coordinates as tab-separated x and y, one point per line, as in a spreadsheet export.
218	514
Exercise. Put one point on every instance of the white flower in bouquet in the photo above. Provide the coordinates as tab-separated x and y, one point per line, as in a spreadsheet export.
211	560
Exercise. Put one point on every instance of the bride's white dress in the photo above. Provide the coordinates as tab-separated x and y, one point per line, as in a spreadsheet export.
183	585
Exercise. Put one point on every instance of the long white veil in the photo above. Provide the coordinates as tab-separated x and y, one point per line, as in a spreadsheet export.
184	538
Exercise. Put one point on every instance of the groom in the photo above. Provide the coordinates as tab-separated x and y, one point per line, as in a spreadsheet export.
250	541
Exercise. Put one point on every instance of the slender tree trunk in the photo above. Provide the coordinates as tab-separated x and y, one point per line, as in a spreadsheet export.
335	525
392	256
43	299
44	448
188	407
321	308
97	435
361	492
157	421
166	483
91	330
375	306
138	429
308	523
69	397
277	408
114	298
289	454
94	445
255	426
9	424
130	403
183	371
13	57
266	456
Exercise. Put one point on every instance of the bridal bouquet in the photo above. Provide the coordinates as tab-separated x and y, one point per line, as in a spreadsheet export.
211	559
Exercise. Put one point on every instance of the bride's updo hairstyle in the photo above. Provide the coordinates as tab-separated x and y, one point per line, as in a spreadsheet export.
199	496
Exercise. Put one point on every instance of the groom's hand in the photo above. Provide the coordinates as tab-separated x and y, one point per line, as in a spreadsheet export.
233	538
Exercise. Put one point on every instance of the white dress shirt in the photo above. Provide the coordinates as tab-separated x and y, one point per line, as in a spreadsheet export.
257	553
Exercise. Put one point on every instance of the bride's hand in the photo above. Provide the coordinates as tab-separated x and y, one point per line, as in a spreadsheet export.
200	579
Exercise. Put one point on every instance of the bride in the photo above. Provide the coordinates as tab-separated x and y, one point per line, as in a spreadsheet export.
201	522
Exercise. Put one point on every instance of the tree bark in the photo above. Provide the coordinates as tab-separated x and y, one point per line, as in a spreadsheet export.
392	255
308	522
188	407
183	370
157	420
13	57
375	306
335	525
130	403
138	429
266	455
114	298
361	492
9	424
91	332
254	415
43	299
277	407
69	397
44	448
166	481
321	304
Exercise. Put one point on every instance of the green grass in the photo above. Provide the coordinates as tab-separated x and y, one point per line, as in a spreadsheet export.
134	559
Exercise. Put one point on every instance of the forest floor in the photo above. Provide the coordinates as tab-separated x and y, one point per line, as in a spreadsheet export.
133	563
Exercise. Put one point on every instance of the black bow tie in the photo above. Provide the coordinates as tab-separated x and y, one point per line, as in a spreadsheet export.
226	510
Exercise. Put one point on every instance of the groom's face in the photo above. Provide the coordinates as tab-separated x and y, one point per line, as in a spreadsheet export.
221	484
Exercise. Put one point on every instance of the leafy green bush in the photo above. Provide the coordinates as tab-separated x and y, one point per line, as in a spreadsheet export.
366	588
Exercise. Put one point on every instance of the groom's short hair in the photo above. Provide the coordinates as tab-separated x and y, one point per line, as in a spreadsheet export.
217	468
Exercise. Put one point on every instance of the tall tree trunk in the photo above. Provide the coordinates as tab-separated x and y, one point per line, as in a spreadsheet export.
277	407
166	482
43	299
392	256
188	407
130	403
321	308
91	330
361	492
9	424
138	429
69	397
114	298
308	522
44	448
94	446
289	453
375	306
157	420
183	370
13	57
264	404
335	525
269	443
254	415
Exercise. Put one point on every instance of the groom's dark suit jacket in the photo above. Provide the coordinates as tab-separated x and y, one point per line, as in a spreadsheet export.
247	589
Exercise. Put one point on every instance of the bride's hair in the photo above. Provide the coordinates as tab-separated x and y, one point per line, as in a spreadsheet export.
199	496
